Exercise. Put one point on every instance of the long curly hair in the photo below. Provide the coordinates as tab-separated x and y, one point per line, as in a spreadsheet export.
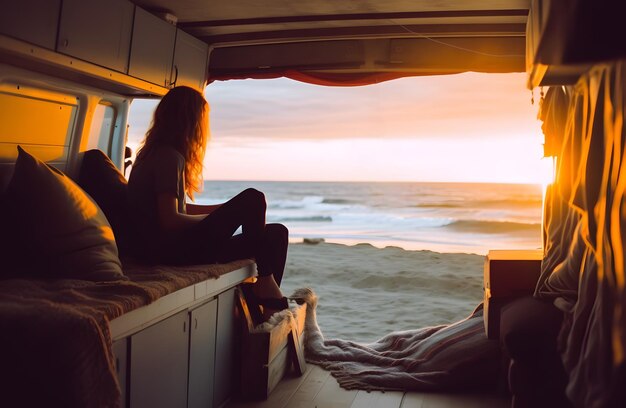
181	121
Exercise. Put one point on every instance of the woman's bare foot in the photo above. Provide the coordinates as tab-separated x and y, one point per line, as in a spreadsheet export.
267	288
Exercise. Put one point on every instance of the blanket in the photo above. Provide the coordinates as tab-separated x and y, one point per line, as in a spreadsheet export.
453	357
55	343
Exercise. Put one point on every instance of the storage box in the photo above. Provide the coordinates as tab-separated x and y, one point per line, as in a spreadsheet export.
507	275
266	357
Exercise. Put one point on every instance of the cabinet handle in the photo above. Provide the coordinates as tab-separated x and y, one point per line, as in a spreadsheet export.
175	76
185	327
196	323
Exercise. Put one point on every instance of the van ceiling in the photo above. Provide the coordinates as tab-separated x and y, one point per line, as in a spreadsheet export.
252	38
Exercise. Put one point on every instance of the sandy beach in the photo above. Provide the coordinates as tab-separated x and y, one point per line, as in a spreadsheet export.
366	292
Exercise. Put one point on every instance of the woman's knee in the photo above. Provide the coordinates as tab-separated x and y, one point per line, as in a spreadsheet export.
277	232
254	197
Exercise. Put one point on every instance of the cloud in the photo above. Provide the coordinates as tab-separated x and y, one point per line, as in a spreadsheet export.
468	127
448	106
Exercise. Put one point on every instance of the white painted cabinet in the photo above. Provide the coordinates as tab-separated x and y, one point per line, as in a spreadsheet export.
120	353
190	61
152	48
225	347
158	364
97	31
34	21
186	360
203	322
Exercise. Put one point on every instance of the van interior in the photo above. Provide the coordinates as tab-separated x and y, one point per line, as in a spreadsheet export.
82	329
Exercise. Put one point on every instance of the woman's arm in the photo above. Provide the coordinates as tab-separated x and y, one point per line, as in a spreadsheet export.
169	217
195	209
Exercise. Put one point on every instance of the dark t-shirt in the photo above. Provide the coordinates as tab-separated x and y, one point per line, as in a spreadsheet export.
161	171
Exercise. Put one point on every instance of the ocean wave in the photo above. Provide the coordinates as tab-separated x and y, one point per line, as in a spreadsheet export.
303	203
313	218
506	203
438	205
337	201
492	226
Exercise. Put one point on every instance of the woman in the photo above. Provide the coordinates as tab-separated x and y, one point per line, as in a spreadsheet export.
168	167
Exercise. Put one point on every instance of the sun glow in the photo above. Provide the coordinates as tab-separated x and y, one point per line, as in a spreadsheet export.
380	160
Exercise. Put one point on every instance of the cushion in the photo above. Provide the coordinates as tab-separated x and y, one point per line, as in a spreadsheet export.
56	229
100	178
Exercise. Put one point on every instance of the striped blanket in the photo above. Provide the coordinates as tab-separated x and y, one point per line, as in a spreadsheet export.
450	357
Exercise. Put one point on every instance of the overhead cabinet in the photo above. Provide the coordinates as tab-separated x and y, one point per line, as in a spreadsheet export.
115	35
97	31
152	48
190	61
34	21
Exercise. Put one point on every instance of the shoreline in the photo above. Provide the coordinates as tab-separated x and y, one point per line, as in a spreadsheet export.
366	292
442	247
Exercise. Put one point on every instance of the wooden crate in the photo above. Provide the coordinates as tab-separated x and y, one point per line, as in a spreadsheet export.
508	274
267	357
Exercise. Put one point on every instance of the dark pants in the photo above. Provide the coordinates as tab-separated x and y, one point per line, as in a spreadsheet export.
212	240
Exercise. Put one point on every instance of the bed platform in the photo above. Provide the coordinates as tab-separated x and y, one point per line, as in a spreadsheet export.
171	330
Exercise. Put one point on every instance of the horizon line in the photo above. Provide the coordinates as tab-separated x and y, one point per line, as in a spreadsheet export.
375	181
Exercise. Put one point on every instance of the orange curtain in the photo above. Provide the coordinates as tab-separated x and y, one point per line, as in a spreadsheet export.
327	79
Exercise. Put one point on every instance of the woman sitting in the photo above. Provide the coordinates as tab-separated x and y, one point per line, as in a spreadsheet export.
168	168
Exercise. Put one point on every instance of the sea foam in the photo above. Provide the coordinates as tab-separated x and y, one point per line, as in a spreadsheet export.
438	216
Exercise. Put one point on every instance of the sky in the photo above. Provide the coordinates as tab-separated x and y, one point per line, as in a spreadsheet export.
452	128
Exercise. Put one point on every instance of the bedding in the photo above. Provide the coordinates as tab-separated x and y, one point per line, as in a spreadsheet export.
453	357
55	333
53	229
64	281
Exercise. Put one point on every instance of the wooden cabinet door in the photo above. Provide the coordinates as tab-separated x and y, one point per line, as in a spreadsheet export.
190	61
97	31
225	347
152	49
159	357
35	21
202	355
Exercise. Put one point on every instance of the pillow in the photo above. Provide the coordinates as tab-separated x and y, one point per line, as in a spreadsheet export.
107	186
56	230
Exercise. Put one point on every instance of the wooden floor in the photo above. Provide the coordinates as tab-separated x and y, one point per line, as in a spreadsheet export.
318	389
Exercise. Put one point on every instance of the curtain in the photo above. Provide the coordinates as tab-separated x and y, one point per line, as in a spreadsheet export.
328	78
593	339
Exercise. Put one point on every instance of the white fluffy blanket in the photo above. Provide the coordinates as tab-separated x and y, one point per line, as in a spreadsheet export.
448	357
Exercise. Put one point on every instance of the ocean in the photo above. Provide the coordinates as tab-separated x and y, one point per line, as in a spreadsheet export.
441	217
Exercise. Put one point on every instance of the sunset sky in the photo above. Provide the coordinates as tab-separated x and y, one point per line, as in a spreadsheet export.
467	128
